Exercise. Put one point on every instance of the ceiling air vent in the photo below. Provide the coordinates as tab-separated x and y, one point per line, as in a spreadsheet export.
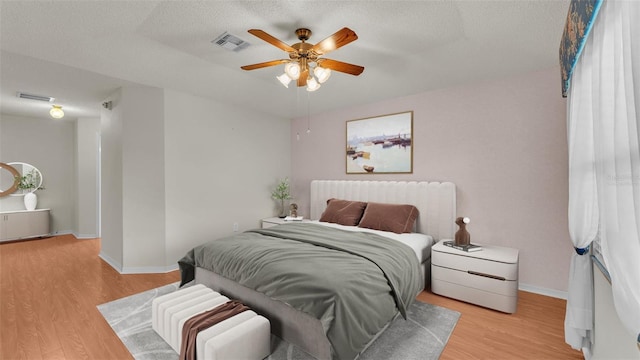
35	97
230	42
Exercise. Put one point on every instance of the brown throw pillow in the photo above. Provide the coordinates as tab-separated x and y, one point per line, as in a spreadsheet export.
389	217
343	212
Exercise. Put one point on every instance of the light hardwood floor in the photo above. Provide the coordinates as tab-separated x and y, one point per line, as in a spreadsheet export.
50	288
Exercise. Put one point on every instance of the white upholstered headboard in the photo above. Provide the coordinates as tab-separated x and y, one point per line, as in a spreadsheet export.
436	202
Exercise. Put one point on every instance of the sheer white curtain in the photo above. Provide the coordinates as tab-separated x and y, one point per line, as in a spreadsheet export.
604	168
583	199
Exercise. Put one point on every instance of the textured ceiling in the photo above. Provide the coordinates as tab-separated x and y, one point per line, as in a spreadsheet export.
80	51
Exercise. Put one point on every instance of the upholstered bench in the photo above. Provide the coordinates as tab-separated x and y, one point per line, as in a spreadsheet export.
242	336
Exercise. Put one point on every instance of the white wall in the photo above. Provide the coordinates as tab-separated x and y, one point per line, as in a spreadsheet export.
133	180
49	145
1	157
143	177
86	208
111	127
178	170
221	163
503	144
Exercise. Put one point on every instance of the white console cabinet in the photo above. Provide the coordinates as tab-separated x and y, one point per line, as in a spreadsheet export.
24	224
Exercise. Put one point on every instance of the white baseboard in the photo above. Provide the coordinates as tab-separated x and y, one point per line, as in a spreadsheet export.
148	269
114	264
85	236
63	232
543	291
71	232
137	269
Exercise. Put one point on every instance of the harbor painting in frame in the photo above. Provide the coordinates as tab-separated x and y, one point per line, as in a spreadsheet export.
380	145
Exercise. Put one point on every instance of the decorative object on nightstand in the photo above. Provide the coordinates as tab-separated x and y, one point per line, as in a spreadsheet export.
293	210
467	248
487	278
293	218
462	237
282	193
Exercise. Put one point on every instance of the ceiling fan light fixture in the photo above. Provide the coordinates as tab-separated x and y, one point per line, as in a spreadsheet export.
284	80
322	74
292	70
56	112
312	84
306	60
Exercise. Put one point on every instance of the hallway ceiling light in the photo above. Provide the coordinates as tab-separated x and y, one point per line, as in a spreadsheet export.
56	112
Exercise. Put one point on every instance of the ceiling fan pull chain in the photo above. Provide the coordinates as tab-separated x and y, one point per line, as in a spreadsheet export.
308	113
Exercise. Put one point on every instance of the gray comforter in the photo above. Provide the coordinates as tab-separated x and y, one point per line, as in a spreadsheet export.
353	282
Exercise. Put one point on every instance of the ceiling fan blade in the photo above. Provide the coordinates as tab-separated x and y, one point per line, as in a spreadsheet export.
264	64
341	66
271	40
302	80
335	41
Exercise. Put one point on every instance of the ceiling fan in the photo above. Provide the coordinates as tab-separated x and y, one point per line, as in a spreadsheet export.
306	64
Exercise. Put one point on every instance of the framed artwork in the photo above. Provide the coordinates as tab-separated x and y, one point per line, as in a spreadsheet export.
380	145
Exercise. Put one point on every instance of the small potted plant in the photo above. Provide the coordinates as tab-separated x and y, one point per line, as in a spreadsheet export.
282	193
29	181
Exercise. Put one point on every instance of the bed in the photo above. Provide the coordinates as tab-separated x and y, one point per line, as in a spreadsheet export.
331	325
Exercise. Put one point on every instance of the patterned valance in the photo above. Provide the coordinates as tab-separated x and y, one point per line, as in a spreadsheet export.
580	19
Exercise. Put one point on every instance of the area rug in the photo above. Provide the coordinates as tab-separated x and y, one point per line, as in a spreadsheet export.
422	336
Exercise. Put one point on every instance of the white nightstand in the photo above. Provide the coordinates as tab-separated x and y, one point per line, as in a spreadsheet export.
273	221
488	277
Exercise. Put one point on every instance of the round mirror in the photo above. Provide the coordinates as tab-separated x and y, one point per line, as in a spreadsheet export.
29	178
9	177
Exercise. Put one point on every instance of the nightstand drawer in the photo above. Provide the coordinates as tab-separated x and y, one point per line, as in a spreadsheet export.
508	304
463	262
475	281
